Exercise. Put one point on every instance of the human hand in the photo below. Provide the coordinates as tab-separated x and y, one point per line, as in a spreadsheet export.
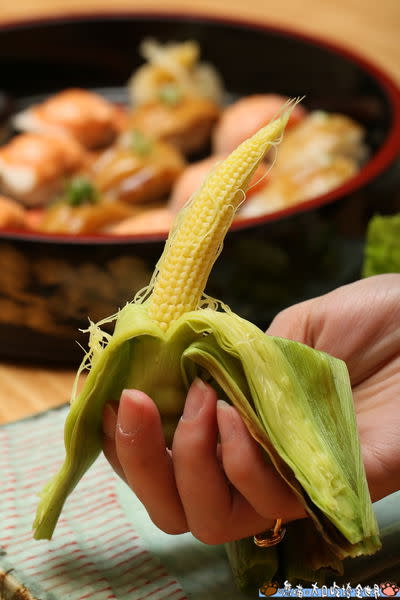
360	324
227	491
218	491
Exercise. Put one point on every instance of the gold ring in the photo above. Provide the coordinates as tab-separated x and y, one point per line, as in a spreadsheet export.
271	537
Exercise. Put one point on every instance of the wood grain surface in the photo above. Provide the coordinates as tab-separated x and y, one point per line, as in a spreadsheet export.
369	27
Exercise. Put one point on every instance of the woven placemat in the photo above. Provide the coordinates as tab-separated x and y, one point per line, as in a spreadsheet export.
104	545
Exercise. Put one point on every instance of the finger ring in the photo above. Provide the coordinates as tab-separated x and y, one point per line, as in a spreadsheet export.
271	537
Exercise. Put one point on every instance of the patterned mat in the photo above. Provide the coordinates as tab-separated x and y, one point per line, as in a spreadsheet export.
101	547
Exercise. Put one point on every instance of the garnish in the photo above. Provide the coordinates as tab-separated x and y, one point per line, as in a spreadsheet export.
170	94
140	143
80	191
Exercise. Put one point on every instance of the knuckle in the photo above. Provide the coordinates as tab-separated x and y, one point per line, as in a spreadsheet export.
169	528
129	452
211	536
186	444
142	463
236	470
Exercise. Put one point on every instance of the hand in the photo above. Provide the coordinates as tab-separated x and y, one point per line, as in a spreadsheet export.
219	492
227	491
360	323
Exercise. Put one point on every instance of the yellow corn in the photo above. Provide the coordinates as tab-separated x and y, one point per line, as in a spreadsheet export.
195	242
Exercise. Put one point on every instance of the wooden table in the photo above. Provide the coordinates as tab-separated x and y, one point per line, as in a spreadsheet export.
367	26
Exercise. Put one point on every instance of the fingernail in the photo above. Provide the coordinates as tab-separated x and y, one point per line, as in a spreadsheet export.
109	421
194	400
130	413
226	421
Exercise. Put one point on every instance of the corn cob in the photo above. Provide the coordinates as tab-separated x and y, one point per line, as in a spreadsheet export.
195	243
295	401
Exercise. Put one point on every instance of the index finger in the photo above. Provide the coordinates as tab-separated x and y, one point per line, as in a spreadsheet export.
147	465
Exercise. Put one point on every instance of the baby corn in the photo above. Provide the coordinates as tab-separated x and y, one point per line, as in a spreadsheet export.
295	401
197	239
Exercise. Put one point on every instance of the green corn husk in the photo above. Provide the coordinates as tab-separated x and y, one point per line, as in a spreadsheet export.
295	401
382	246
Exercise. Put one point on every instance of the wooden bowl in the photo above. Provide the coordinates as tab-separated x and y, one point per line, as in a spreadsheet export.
50	284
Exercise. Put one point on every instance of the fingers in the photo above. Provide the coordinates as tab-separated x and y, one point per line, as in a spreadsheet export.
109	429
220	492
201	482
147	466
215	511
248	471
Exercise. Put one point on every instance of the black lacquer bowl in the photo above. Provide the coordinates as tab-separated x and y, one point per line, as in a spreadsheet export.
50	284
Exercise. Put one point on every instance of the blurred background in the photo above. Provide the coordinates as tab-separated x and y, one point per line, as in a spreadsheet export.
364	25
369	28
